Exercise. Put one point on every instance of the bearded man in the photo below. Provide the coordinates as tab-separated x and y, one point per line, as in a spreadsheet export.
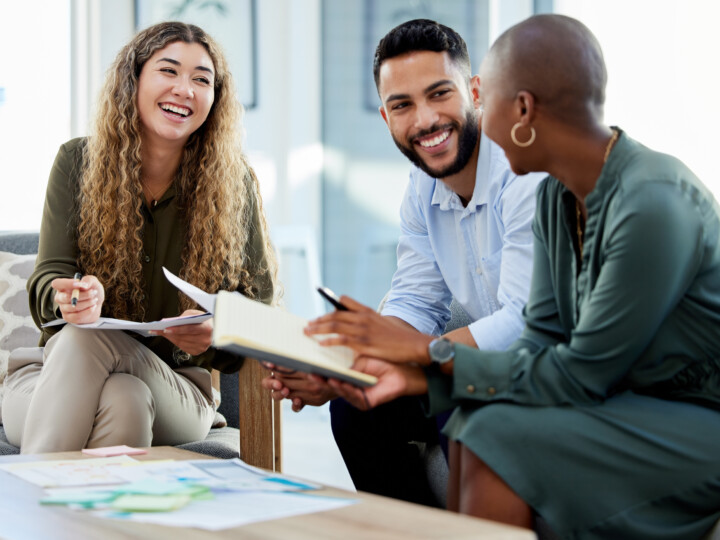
466	234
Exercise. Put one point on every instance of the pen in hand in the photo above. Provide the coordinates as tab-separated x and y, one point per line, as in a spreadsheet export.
76	292
332	298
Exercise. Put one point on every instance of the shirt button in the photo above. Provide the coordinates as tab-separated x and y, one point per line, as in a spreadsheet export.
491	391
470	388
147	258
478	270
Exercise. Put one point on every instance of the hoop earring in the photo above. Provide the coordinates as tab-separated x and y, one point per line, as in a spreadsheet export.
522	144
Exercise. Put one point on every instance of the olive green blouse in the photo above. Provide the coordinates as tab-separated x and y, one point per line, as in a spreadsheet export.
163	240
642	313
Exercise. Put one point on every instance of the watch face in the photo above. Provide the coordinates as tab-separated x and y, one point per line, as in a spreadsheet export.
441	350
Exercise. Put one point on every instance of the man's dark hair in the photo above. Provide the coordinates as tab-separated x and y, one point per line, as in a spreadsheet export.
421	35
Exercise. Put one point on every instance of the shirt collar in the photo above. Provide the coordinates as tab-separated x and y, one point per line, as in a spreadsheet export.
447	199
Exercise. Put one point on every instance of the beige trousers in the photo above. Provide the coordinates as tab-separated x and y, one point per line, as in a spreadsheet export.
94	388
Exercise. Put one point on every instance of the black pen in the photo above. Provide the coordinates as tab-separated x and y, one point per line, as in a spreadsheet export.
76	292
332	298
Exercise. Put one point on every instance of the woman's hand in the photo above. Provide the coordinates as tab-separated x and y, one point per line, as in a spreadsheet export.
301	388
90	299
194	339
370	334
394	381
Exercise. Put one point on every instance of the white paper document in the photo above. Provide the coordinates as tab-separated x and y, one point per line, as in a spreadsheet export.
71	472
204	300
228	510
232	493
106	323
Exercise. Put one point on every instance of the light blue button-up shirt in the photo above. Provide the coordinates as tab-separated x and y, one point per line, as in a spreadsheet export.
480	254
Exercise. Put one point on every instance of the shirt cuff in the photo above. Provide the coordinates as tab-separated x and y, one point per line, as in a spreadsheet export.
498	331
421	325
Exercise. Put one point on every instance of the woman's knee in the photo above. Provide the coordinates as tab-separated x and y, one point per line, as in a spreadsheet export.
128	395
126	412
483	493
74	348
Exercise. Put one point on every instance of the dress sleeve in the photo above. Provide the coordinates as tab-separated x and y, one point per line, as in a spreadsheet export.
652	251
57	251
418	295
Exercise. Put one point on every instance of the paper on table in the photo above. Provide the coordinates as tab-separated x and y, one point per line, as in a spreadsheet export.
221	474
251	502
236	475
109	451
228	510
74	472
106	323
150	503
80	497
163	471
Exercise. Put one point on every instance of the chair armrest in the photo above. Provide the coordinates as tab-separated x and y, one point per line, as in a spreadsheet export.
259	419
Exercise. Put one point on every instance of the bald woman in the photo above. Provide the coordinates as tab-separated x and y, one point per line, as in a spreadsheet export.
604	417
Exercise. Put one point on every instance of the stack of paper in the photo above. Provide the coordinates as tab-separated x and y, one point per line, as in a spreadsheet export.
209	494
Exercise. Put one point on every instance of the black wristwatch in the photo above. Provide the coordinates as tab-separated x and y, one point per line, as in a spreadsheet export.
441	351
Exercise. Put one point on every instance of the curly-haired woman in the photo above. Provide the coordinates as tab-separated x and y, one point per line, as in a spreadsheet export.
161	182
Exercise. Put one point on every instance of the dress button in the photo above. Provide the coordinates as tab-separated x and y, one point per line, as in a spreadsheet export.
147	258
470	388
491	391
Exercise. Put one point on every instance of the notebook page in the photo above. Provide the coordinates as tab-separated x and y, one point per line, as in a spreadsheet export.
272	329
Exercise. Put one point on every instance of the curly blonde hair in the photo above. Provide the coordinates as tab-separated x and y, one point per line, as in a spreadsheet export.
217	189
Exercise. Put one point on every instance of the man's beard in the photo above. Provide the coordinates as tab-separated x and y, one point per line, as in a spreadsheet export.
468	135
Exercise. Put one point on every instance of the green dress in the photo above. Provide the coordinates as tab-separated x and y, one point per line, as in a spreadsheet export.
605	415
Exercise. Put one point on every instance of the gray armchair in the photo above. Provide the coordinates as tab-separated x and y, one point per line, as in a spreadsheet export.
220	442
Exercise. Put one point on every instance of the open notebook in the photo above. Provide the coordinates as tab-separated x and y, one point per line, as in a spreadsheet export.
269	333
254	329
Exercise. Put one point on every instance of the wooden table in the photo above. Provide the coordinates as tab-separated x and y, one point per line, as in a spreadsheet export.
374	517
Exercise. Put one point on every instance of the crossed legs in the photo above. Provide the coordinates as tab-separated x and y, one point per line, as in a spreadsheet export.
99	388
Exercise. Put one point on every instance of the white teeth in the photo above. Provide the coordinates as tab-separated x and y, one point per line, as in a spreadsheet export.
435	140
173	108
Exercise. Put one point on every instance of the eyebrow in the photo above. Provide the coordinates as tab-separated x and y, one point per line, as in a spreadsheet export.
433	86
176	63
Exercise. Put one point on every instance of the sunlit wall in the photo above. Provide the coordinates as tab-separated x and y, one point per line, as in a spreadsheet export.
663	76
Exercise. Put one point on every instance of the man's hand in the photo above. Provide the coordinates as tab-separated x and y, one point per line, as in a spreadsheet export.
394	381
370	334
301	388
194	339
89	303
